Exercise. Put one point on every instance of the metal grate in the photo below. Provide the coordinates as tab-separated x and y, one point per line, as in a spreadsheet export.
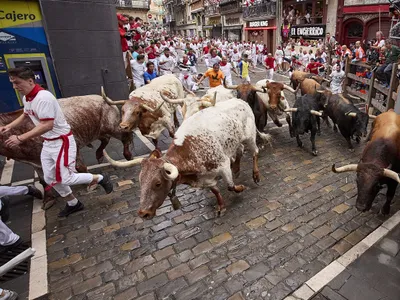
19	270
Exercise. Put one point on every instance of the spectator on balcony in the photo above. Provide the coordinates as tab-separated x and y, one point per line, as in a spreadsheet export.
308	17
298	17
150	73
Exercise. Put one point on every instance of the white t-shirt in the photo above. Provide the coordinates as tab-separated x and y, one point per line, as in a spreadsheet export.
236	56
279	54
169	63
226	69
305	59
46	107
138	71
213	60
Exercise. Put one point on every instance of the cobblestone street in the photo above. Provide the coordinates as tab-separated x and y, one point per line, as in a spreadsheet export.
272	238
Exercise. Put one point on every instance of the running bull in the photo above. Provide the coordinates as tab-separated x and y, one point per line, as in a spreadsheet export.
379	164
147	111
351	121
305	119
90	119
200	153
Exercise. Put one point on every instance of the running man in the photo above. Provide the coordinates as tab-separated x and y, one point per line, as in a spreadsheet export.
59	147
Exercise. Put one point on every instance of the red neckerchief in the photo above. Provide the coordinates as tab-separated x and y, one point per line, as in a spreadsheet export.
33	93
185	76
185	61
222	64
148	71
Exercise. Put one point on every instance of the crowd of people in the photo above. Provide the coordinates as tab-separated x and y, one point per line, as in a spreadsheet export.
151	53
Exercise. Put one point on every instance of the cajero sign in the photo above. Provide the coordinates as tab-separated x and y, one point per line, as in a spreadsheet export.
258	24
15	13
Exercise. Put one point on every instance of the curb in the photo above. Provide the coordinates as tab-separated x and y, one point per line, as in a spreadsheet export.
318	281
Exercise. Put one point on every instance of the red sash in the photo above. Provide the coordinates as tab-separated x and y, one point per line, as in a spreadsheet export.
64	149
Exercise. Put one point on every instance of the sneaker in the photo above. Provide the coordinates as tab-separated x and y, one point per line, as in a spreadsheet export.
106	183
34	192
5	209
70	209
9	295
10	247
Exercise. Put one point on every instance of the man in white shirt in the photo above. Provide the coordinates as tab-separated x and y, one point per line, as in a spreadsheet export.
59	148
227	68
166	63
278	58
138	69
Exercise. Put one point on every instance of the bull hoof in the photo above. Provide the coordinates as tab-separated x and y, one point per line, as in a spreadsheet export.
237	188
220	211
176	204
48	204
256	177
385	210
315	152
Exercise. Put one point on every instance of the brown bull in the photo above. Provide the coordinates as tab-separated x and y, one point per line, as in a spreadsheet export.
90	119
299	76
379	164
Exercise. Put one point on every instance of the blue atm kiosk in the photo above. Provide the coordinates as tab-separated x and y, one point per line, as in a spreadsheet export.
23	43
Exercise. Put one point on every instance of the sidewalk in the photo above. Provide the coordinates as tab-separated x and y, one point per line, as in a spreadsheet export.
375	275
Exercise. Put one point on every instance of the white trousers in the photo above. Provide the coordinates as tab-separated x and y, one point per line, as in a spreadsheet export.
270	74
228	80
124	58
13	190
7	237
69	176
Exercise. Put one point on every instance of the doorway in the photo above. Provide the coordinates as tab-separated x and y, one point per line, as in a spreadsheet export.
353	31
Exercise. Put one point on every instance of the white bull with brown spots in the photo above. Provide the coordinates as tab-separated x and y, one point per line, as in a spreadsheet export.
200	153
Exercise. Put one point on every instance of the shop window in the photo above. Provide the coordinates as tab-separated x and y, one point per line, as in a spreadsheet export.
355	30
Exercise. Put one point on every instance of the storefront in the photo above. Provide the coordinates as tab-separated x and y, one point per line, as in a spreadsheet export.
262	31
361	22
214	27
233	27
66	68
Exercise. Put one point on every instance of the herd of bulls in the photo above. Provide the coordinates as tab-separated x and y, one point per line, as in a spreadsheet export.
210	142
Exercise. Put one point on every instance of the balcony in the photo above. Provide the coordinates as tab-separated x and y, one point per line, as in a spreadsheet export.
212	10
267	10
229	6
136	4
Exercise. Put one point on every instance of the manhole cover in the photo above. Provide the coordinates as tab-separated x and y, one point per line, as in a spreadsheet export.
19	270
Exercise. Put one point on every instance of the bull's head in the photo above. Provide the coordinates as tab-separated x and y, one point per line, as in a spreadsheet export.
368	181
132	111
245	91
275	96
191	105
361	123
156	179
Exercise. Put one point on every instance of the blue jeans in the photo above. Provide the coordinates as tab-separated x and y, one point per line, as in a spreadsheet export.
384	72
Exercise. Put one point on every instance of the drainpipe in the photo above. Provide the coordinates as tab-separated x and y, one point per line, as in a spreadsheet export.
279	5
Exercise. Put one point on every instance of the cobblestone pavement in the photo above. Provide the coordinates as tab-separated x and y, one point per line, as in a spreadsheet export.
272	238
373	276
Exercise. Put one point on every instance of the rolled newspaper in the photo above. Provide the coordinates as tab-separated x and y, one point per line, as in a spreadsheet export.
16	260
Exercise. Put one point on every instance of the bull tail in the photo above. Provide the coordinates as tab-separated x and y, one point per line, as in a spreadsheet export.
266	137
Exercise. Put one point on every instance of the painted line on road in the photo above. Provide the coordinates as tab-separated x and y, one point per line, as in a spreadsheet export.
311	287
6	175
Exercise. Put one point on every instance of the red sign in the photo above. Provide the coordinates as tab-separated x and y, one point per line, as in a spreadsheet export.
149	16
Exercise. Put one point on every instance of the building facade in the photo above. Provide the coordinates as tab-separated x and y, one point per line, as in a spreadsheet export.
213	26
260	23
197	12
134	8
359	20
232	19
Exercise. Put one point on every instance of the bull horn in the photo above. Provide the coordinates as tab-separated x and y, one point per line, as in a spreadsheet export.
122	164
257	89
391	174
231	87
316	113
286	87
290	109
205	103
351	114
170	171
109	101
172	101
214	99
152	110
347	168
372	117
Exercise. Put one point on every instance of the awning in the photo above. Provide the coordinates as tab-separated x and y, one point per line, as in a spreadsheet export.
261	28
238	27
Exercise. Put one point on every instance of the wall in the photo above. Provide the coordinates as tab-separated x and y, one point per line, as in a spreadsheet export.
84	40
331	16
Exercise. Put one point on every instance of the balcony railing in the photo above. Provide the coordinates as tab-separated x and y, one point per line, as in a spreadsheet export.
230	7
212	10
263	9
143	4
